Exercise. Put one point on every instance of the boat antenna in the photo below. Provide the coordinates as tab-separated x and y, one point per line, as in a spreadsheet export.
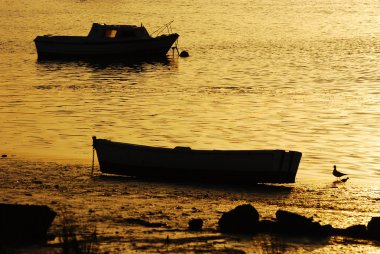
166	26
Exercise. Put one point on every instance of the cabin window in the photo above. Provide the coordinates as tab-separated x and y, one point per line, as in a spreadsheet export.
111	33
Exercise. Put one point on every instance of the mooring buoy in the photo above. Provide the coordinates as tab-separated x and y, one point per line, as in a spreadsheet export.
184	53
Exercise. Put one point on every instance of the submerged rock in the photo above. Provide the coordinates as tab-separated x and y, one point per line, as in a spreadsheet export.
195	224
243	219
144	223
24	223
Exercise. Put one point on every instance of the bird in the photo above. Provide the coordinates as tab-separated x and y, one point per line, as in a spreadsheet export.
338	174
345	179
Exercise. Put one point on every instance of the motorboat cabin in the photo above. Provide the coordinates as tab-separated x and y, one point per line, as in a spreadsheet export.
119	32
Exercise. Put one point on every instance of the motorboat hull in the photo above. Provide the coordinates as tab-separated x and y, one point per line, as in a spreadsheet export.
83	47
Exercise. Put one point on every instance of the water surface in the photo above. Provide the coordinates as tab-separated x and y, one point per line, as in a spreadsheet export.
296	75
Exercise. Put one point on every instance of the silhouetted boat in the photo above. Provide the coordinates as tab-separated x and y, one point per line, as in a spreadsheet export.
106	41
186	164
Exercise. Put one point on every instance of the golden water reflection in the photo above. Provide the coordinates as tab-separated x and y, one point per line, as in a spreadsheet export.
296	76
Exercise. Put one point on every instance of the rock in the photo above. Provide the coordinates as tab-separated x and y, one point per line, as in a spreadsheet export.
196	224
243	219
373	228
327	229
268	226
295	224
24	223
291	219
356	231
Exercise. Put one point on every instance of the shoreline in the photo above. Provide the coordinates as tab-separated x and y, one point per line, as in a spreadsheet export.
302	175
116	205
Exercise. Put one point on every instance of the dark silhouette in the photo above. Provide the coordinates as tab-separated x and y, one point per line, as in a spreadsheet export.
195	224
184	54
243	219
207	166
24	223
117	41
338	174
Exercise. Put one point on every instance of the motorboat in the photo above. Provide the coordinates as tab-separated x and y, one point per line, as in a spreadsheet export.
107	41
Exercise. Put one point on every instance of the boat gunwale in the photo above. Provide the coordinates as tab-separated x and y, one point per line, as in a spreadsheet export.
185	148
84	40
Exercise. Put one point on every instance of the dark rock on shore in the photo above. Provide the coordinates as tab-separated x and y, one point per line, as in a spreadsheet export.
295	224
268	226
24	223
291	223
289	219
355	231
373	228
243	219
196	224
371	231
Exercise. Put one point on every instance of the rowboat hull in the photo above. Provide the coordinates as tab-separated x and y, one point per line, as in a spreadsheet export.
185	164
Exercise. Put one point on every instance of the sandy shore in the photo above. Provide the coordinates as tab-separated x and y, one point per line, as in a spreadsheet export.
131	215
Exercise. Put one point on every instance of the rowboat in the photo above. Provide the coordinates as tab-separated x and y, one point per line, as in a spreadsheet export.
186	164
107	41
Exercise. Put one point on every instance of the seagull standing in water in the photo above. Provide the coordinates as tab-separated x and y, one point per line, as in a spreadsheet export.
338	174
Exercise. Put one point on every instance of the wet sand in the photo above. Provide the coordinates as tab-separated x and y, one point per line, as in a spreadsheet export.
132	215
